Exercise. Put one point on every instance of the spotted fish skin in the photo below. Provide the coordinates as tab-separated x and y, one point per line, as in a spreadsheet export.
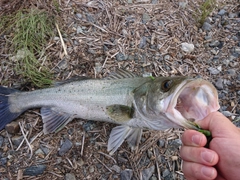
135	103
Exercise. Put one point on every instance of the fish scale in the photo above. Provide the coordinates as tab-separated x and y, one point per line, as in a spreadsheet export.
135	103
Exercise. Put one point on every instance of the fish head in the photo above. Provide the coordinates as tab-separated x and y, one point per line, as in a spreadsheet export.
180	100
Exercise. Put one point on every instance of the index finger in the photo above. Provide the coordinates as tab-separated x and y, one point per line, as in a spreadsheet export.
193	138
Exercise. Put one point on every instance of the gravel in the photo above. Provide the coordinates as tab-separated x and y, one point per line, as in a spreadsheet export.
145	38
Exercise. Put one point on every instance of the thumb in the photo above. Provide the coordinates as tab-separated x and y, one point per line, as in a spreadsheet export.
218	125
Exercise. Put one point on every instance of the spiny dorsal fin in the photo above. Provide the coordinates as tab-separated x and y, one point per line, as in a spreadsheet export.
121	74
54	119
72	79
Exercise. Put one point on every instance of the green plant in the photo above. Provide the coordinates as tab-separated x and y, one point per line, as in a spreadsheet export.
31	28
205	9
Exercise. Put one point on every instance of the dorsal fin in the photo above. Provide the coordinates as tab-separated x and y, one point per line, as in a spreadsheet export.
72	79
121	74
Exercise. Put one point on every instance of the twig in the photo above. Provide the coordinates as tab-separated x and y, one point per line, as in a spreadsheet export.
108	156
10	141
83	140
104	165
25	138
157	166
63	44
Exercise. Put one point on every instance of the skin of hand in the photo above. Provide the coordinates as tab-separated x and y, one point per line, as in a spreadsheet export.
221	161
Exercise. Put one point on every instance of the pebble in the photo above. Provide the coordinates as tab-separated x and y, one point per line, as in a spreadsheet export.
3	161
222	12
166	172
231	72
154	1
147	173
79	15
121	57
91	169
206	26
65	147
183	4
16	140
34	170
1	141
161	143
126	174
167	57
187	47
12	127
90	18
116	168
89	125
219	84
213	70
143	42
79	30
69	176
145	18
214	43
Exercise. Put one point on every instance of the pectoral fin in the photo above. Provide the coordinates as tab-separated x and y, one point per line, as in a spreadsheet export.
120	113
120	133
54	120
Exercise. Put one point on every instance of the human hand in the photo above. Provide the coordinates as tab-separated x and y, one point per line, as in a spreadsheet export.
222	159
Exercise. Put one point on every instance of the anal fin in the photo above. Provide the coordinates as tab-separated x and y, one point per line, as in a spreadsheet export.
120	133
54	119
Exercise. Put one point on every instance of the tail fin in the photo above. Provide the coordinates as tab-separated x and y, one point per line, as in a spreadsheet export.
6	116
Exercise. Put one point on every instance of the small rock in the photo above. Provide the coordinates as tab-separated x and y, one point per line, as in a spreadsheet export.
154	1
143	42
130	1
34	170
65	147
166	172
69	176
206	26
63	64
116	168
227	113
90	18
121	57
222	12
44	149
1	141
167	57
219	84
3	161
89	125
147	173
187	47
231	72
161	143
145	18
232	15
39	151
12	127
183	4
126	174
16	140
91	169
79	30
213	70
79	15
214	43
208	37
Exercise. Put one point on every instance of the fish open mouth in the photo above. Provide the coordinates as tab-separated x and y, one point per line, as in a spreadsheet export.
193	100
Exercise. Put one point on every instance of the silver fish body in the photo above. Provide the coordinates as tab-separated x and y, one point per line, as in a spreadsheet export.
133	102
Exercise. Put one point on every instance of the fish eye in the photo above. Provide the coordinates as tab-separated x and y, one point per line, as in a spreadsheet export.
166	85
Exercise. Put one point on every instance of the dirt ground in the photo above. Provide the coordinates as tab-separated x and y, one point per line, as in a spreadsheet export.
142	36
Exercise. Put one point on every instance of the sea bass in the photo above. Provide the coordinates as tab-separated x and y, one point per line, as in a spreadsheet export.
135	103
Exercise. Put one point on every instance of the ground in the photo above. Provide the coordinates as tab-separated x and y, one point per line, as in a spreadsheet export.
142	36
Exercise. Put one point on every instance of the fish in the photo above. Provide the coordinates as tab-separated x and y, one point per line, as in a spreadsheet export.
133	103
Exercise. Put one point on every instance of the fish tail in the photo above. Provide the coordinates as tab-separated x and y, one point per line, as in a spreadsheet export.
6	116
